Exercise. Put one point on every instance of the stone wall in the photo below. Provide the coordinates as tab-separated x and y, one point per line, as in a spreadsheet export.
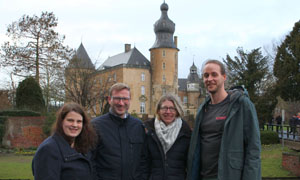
23	132
291	162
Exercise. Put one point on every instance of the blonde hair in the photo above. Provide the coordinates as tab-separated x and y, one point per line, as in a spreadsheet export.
174	100
118	87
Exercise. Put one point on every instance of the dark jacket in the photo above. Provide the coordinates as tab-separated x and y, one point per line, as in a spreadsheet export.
56	160
119	153
239	157
171	166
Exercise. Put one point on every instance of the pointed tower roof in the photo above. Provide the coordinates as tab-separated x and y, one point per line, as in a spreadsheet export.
193	77
131	57
81	59
164	29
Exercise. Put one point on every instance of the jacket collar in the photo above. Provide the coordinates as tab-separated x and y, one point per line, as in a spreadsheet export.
64	146
118	120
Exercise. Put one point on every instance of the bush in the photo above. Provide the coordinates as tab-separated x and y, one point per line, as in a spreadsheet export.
2	130
29	95
269	137
50	119
15	113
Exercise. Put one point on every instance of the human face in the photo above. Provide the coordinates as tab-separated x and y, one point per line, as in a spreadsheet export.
72	124
212	78
167	112
120	102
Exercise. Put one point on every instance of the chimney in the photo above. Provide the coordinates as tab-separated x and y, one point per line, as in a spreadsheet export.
175	41
127	47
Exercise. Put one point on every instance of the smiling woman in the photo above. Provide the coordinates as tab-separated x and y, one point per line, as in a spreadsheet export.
168	140
66	154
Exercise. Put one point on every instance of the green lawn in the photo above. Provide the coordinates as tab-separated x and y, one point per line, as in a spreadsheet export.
19	167
271	157
15	166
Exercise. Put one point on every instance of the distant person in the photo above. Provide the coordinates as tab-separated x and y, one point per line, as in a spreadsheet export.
168	140
120	151
66	154
225	142
293	124
278	120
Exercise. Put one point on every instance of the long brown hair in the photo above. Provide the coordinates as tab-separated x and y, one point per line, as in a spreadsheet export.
87	138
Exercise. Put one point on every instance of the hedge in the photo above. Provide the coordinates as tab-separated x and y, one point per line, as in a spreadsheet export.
269	137
14	113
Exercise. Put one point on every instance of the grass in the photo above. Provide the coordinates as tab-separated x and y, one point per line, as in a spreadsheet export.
14	166
271	157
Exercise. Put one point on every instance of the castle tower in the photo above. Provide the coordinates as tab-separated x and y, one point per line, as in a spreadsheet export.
164	58
193	82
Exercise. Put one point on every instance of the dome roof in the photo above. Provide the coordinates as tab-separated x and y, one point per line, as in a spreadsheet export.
164	29
164	24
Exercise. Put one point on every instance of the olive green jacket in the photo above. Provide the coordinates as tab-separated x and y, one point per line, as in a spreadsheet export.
239	157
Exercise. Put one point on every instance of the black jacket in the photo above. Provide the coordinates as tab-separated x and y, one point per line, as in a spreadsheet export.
119	153
173	165
56	160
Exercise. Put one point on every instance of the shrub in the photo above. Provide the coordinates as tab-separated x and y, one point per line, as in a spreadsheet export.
2	130
29	95
269	137
15	113
50	119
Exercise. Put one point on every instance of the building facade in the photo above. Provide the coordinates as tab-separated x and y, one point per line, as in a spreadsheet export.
148	80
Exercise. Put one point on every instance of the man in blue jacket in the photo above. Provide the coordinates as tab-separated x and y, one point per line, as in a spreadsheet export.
225	143
119	153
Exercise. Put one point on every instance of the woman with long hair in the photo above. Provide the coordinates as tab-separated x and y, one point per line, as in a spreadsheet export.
66	153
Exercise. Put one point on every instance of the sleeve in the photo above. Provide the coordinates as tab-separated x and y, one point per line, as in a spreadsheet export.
94	151
252	163
144	164
46	164
94	160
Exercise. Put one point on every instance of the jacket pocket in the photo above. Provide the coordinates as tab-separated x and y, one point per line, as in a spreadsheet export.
236	160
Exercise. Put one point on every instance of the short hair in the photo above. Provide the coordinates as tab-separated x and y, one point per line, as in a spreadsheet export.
172	98
87	138
213	61
118	87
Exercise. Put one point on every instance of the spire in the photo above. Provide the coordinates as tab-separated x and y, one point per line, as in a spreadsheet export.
81	59
193	76
164	29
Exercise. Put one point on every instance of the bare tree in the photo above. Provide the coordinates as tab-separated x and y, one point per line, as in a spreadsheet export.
86	86
33	41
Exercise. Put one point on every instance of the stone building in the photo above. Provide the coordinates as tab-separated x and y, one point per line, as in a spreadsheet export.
148	80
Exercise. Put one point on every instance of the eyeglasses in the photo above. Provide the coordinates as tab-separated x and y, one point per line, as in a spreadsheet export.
165	109
119	99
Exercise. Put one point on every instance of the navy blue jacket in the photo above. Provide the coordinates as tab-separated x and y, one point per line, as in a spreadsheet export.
56	160
171	166
119	153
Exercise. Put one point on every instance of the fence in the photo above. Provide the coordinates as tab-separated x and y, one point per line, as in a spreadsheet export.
286	132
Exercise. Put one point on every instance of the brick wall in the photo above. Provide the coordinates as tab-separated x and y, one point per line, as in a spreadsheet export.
291	162
23	132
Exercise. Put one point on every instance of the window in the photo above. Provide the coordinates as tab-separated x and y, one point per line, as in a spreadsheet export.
164	65
142	108
143	90
115	77
164	92
143	77
185	99
164	53
164	78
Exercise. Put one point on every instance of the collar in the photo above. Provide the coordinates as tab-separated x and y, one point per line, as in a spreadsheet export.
114	114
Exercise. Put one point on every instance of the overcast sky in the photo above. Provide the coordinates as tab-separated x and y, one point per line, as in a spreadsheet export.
206	29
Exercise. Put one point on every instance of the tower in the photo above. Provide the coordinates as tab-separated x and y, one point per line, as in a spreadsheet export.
164	58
